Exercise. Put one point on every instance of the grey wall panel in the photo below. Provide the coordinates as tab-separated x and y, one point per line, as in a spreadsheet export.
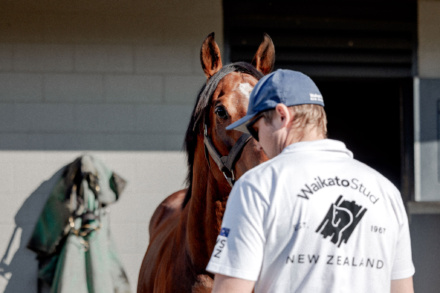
427	121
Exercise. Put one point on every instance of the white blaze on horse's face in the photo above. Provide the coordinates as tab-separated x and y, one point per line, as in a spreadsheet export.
246	89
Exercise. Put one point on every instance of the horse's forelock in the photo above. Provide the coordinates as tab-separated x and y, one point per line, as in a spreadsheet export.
199	112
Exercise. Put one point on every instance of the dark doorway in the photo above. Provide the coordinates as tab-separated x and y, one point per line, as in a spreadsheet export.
365	115
361	55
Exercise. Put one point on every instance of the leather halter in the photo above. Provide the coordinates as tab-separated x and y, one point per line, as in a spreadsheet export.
225	163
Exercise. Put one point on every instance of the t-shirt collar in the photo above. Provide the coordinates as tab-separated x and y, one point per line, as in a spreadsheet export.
327	145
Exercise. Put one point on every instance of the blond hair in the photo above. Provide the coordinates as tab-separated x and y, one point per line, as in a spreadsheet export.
307	115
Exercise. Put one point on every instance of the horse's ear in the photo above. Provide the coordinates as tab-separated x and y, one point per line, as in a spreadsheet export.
264	59
210	56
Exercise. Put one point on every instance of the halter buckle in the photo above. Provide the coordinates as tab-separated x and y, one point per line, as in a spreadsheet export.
231	180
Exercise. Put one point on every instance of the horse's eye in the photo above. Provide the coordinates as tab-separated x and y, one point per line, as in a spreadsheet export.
221	112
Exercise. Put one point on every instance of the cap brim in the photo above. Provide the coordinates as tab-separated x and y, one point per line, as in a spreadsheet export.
240	124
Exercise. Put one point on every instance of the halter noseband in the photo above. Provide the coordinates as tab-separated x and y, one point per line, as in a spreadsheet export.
225	163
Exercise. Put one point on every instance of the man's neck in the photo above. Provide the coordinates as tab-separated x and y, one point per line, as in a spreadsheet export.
304	134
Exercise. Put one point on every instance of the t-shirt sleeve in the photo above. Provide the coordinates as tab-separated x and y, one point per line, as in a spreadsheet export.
239	248
403	266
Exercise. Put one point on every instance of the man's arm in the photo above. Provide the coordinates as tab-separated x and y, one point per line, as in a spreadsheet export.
402	286
226	284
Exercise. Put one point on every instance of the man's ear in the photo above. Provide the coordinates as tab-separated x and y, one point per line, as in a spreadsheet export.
283	115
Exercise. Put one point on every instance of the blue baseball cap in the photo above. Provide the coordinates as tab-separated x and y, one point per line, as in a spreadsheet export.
283	86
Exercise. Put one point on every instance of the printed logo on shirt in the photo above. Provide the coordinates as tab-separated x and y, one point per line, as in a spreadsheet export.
341	220
319	183
224	232
220	244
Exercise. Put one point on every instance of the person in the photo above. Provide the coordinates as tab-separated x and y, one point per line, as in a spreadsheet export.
311	218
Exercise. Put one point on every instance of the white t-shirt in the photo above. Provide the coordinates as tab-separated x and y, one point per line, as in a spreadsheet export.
313	219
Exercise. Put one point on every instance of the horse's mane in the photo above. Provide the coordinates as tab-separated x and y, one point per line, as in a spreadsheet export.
200	110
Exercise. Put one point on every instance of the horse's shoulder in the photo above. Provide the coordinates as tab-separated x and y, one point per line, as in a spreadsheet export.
169	206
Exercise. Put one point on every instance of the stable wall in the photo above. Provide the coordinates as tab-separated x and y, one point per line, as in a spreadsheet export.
114	79
424	218
118	79
427	103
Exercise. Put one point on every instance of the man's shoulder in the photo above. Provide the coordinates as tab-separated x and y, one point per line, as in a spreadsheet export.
265	168
264	176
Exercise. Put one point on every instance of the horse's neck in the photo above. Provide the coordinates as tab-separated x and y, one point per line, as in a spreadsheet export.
205	213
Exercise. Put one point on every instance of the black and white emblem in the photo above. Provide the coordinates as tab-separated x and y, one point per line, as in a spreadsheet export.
341	220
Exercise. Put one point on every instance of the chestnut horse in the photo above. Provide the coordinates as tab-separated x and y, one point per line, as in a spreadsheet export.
184	228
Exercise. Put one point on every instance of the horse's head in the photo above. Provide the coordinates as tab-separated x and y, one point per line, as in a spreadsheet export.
223	100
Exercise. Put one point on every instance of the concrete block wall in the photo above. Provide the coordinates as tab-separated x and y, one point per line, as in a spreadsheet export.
427	103
114	79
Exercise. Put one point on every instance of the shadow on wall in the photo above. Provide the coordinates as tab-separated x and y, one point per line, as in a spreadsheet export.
21	271
425	239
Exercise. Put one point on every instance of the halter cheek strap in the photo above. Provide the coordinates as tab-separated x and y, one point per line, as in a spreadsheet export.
225	163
